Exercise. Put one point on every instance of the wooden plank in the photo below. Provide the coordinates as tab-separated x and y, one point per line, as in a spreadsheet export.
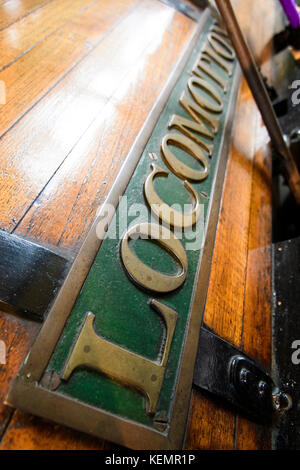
40	69
65	208
256	340
100	153
296	54
19	38
31	433
46	135
14	10
211	425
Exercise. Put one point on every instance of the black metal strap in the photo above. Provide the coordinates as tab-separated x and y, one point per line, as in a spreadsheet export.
225	371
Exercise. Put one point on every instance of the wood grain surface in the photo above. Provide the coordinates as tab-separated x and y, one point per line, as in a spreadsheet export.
12	11
81	78
238	305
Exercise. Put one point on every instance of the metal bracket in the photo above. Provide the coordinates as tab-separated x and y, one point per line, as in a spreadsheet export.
225	371
30	276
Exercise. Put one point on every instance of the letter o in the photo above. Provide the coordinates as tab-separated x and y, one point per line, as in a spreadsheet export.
142	274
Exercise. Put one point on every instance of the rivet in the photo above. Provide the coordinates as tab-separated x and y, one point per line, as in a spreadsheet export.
244	375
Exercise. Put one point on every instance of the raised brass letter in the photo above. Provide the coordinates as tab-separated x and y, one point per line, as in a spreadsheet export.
194	84
93	351
164	211
147	277
185	125
177	166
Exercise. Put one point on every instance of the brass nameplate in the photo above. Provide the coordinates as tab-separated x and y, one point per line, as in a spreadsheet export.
115	357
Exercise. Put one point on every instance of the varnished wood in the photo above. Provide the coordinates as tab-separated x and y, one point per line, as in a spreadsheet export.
96	84
224	309
67	130
32	433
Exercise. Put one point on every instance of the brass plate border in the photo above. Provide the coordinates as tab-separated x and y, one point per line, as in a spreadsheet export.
26	394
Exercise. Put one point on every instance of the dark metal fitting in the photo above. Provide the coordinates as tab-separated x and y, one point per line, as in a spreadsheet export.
281	402
225	371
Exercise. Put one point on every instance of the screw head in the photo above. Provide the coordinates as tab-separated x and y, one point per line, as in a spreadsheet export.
244	375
